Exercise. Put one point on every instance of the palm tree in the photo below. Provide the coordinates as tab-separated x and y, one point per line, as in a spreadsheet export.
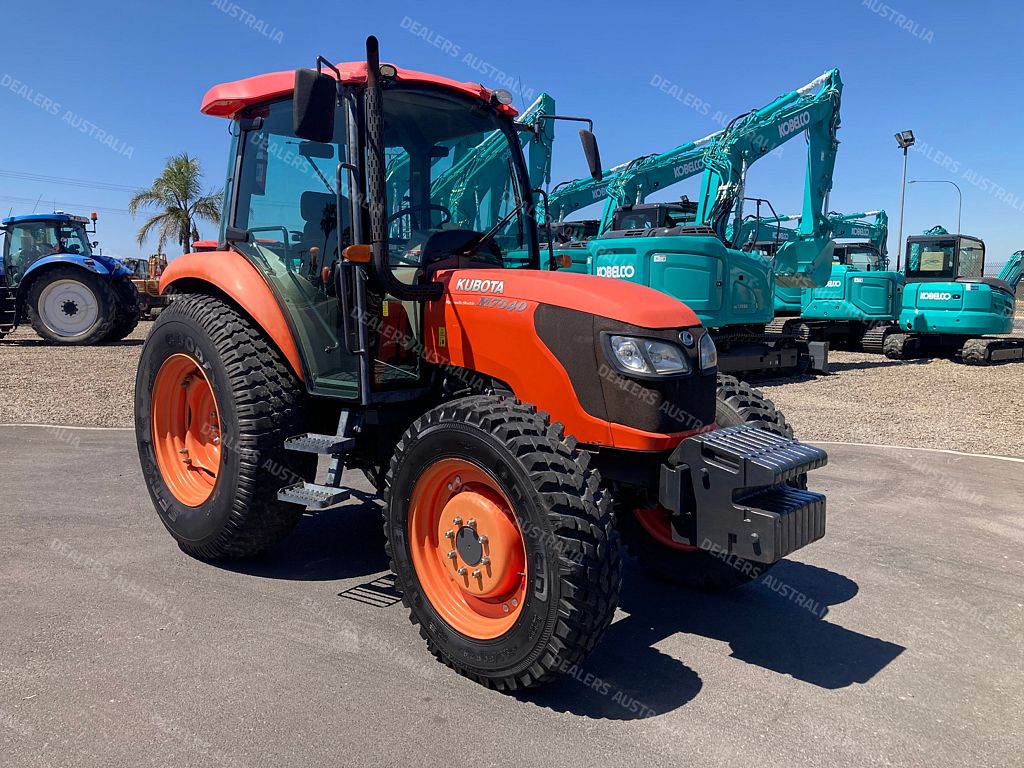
177	193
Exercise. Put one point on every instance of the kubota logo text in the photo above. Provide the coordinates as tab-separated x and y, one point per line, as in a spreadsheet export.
936	295
626	271
797	123
480	286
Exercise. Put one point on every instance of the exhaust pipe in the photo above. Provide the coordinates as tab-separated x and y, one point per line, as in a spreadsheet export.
376	179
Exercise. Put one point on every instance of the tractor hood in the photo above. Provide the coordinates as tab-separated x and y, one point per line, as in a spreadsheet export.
618	300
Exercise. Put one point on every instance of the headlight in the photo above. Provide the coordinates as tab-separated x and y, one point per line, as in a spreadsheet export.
647	356
708	352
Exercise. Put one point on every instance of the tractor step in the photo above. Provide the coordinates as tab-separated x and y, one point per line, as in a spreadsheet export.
313	496
8	310
323	444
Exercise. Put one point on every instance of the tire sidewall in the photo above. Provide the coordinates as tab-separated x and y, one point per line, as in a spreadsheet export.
199	525
521	645
101	291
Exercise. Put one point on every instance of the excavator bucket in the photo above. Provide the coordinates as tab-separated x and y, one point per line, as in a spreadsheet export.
804	263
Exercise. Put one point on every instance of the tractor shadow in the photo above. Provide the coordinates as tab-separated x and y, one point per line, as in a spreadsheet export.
39	343
882	362
341	543
777	623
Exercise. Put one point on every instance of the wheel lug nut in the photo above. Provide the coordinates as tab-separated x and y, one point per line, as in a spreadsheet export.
457	520
458	481
504	607
476	573
452	555
462	571
515	601
483	540
449	534
485	561
472	523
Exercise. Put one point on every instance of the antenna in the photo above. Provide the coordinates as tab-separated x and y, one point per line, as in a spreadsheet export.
36	205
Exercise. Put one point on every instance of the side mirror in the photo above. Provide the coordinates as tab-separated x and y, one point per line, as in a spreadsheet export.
313	101
589	142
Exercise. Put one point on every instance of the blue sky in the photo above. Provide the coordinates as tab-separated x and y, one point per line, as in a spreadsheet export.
137	72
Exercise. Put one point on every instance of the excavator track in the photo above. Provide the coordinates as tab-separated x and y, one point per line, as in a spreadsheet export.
987	351
792	327
874	338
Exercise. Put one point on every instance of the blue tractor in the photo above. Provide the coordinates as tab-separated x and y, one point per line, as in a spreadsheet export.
51	278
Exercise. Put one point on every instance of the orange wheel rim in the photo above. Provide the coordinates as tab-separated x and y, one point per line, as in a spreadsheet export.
655	521
186	429
467	549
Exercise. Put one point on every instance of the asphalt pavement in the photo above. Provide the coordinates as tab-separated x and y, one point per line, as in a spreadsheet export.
895	640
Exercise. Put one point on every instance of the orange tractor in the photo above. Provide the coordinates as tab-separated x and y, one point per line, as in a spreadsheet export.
517	421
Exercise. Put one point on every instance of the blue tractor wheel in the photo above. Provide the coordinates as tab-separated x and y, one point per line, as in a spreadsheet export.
68	305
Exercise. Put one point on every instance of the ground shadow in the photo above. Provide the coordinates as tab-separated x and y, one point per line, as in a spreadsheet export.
45	343
776	623
881	362
340	543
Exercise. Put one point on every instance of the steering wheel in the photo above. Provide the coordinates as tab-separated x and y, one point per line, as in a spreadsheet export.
422	207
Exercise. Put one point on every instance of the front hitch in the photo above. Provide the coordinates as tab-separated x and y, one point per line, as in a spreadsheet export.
730	491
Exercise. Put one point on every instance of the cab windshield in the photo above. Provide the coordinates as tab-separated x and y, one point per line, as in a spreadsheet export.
941	258
454	167
863	257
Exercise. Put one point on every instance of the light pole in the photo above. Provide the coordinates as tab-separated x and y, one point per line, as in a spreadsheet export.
905	139
960	207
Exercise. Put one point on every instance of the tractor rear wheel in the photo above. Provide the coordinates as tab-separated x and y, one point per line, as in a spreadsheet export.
214	403
128	310
647	530
502	540
70	305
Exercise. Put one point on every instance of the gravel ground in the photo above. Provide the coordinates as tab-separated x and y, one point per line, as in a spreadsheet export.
920	403
932	404
43	383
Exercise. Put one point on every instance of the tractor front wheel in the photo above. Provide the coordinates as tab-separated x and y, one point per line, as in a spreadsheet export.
503	543
214	403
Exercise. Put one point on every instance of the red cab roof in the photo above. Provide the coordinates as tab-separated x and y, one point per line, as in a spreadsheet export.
228	99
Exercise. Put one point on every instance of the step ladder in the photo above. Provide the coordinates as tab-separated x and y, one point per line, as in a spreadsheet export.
8	309
315	496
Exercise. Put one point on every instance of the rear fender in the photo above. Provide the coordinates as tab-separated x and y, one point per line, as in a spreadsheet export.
68	259
231	274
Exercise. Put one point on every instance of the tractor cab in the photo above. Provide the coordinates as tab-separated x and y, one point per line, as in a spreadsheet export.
28	239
